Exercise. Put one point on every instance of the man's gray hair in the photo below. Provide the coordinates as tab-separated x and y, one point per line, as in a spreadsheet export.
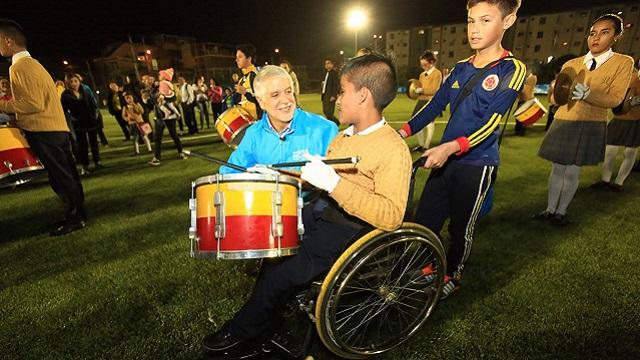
266	73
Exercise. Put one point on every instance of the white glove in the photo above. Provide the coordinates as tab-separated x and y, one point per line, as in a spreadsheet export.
419	91
262	169
635	101
319	174
581	92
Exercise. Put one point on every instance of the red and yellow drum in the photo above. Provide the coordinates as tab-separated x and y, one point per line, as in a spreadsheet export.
232	124
18	164
245	216
530	112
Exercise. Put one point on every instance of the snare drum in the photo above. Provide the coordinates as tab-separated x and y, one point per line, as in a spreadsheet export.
529	112
245	216
232	124
18	164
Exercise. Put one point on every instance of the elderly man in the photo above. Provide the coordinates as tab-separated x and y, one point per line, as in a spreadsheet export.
284	133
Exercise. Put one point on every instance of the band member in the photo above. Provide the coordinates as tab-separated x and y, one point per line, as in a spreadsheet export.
39	114
525	95
430	81
623	132
245	56
374	193
577	136
284	133
465	163
330	88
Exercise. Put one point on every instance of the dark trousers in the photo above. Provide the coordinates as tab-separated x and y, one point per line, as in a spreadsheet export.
328	108
328	232
159	132
190	117
204	114
123	125
82	154
455	191
216	109
54	151
101	135
520	129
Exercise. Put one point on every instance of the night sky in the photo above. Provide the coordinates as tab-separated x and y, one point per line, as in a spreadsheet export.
305	31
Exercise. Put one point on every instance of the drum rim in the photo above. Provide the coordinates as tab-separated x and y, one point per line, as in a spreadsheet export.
22	170
245	177
246	254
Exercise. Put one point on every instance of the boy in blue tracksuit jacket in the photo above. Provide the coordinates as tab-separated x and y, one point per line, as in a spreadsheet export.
465	163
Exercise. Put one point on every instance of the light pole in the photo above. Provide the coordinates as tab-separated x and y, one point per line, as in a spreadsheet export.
356	20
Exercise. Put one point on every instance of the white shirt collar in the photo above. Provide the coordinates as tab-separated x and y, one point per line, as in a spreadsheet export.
19	55
430	70
600	59
349	131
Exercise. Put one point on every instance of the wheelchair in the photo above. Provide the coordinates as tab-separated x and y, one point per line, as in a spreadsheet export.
377	294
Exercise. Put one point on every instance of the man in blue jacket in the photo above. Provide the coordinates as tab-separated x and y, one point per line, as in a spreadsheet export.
283	133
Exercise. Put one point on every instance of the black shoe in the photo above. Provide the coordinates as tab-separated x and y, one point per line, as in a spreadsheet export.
220	341
543	215
604	185
559	220
615	187
67	228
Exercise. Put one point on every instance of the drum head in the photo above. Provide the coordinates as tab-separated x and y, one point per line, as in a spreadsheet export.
246	177
522	108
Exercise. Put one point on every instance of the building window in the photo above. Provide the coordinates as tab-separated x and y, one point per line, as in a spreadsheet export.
536	48
520	34
576	44
540	34
543	20
453	29
392	36
523	20
421	32
465	41
580	29
450	54
583	14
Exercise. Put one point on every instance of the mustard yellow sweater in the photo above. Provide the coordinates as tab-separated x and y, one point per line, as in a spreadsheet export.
35	102
634	90
376	189
430	84
608	84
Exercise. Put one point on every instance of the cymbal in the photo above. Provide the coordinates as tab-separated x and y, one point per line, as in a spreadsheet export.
412	85
563	88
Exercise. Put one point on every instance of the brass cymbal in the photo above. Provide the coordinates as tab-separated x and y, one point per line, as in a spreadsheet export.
412	85
563	88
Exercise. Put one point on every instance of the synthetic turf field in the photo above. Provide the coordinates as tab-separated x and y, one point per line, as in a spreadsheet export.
126	288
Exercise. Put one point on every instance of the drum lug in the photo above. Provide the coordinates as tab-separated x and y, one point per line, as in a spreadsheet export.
277	228
9	166
194	220
300	223
220	229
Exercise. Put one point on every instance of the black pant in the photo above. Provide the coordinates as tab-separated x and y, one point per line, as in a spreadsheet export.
190	117
328	232
204	114
54	151
171	126
216	108
519	128
82	154
101	135
123	125
328	108
455	191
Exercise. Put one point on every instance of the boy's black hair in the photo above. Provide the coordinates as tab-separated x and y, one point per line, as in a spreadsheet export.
506	6
375	72
248	50
13	30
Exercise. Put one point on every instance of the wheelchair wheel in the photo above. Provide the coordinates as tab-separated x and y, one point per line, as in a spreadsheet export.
380	291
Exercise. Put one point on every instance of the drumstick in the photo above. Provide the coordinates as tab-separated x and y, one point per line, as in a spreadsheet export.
217	161
349	160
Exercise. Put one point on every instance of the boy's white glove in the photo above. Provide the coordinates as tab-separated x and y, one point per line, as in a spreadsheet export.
581	92
319	174
262	169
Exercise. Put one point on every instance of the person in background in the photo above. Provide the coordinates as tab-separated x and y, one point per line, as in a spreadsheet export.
39	114
227	101
285	64
215	94
430	80
78	104
115	102
245	58
165	117
188	103
93	97
330	89
132	113
200	89
167	89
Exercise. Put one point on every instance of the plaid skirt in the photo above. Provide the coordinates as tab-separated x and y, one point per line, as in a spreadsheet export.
624	133
574	142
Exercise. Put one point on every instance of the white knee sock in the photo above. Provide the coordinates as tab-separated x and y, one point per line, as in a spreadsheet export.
569	188
627	164
555	187
609	158
431	128
147	142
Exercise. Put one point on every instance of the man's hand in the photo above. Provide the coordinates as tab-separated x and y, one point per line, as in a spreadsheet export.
319	174
240	89
438	156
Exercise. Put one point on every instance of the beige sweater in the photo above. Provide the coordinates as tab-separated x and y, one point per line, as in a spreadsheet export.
633	113
376	189
608	84
35	102
430	84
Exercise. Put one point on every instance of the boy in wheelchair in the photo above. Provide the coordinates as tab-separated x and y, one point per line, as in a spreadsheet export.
372	193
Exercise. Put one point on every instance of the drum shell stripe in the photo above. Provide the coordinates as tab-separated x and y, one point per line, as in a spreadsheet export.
17	158
246	233
11	138
246	199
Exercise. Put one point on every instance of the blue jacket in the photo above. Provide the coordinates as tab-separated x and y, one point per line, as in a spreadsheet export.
262	145
475	124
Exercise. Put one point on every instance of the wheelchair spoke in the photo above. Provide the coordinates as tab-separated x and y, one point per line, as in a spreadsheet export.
356	310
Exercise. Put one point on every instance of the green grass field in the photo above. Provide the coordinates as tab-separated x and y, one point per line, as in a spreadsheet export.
126	288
